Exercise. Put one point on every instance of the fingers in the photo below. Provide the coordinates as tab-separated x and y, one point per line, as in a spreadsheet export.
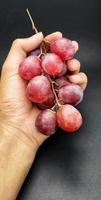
18	51
76	46
73	65
53	36
80	79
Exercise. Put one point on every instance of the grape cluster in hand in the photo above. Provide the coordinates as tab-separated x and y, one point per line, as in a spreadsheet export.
46	72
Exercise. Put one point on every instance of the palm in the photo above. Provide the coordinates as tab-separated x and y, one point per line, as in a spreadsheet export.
20	109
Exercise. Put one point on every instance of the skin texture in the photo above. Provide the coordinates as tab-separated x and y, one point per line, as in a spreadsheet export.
18	133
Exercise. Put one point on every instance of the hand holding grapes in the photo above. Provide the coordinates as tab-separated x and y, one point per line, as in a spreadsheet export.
19	137
16	111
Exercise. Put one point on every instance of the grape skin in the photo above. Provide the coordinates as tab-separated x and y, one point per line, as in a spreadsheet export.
63	47
46	122
71	94
69	118
62	81
52	64
64	71
38	89
48	103
30	67
36	52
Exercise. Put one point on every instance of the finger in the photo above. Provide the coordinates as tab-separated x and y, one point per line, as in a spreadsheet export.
80	79
73	65
53	36
76	45
18	51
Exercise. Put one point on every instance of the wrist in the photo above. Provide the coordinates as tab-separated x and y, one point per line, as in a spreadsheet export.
8	131
17	155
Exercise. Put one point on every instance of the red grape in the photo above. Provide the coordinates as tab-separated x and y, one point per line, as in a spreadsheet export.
63	47
63	71
30	67
48	103
36	52
52	64
71	94
62	81
69	118
46	122
38	89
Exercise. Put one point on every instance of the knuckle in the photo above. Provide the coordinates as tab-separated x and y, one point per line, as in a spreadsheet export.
16	42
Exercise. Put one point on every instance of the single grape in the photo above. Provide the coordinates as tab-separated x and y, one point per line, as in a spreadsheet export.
48	103
38	89
30	67
36	52
52	64
64	71
63	47
71	94
62	81
69	118
46	122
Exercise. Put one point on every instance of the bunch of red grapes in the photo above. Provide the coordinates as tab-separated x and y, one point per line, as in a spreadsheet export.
46	71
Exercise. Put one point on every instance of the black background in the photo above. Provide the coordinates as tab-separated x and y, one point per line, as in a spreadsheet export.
67	167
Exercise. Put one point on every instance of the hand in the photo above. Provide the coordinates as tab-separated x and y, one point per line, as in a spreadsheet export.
16	111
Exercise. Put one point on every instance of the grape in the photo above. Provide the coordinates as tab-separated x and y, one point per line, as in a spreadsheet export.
63	47
30	67
62	81
46	122
36	52
63	71
71	94
38	89
48	103
52	64
69	118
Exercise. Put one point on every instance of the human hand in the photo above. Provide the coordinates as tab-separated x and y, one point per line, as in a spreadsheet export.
16	111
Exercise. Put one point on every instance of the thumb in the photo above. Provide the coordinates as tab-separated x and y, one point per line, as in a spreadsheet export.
18	51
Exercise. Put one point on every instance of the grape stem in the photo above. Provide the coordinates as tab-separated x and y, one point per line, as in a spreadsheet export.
54	92
43	52
42	46
33	27
32	22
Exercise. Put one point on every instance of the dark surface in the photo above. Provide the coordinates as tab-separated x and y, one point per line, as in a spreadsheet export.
67	167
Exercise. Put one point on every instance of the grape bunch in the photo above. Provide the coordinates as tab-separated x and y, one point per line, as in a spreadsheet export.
46	72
